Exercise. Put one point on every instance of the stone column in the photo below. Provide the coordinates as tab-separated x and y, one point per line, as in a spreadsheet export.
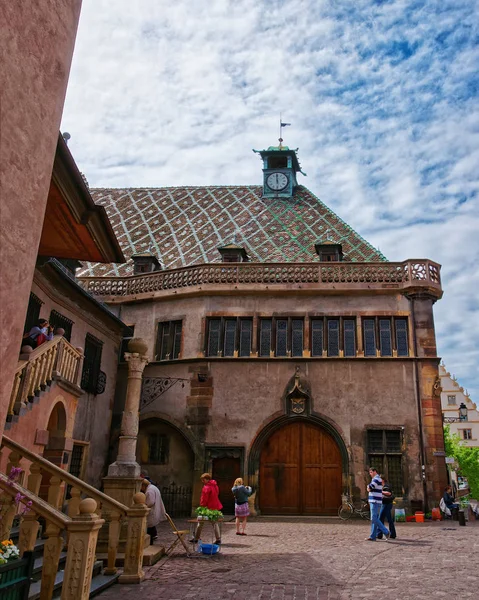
427	365
125	464
123	480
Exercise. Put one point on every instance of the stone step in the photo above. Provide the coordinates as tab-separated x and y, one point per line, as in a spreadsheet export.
151	555
101	582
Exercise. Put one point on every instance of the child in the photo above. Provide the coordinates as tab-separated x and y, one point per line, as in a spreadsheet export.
241	493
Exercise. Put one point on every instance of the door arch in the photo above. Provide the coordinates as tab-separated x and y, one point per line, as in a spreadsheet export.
300	471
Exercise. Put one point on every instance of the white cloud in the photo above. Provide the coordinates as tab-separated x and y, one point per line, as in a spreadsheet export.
382	95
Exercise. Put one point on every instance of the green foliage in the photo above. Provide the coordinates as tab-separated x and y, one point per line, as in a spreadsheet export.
467	459
213	515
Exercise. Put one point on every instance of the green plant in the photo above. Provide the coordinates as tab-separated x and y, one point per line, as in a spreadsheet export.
466	457
213	515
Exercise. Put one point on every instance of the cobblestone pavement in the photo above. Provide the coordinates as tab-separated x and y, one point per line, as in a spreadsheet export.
301	559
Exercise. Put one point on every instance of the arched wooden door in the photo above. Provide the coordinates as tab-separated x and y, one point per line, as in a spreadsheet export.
300	472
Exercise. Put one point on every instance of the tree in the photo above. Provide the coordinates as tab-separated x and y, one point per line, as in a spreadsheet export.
467	459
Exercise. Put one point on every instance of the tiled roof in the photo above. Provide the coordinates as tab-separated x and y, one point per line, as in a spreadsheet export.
183	226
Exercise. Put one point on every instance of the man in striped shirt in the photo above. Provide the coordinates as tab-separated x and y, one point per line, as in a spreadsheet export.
375	499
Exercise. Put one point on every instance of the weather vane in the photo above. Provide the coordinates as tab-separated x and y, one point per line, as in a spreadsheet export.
281	125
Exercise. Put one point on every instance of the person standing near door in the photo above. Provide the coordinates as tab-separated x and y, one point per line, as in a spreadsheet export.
375	499
209	499
241	493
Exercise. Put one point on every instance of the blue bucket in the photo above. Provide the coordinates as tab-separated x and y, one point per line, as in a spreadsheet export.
210	548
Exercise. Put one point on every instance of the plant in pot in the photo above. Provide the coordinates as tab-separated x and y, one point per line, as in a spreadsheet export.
207	514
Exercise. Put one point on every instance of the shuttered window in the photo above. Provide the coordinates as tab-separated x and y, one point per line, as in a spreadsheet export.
59	320
91	363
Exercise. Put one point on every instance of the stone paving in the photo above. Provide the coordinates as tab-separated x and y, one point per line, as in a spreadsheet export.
320	559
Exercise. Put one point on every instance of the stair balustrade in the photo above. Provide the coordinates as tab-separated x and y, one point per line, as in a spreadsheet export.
55	359
34	468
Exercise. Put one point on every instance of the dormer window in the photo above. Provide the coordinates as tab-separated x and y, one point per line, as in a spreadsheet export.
329	252
233	254
145	263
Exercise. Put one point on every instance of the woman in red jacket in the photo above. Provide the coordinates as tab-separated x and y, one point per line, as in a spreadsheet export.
209	499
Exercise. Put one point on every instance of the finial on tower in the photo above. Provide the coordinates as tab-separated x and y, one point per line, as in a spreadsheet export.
281	125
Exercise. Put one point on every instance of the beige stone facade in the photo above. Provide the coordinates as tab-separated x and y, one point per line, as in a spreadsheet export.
452	396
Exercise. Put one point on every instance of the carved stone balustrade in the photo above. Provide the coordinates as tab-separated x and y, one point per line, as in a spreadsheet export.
37	467
410	276
54	359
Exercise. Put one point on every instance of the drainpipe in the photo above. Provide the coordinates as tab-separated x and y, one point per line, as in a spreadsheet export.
417	393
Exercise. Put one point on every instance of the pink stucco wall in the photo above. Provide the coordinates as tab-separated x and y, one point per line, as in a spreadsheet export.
36	46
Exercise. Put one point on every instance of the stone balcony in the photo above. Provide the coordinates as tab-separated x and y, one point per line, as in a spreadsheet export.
409	277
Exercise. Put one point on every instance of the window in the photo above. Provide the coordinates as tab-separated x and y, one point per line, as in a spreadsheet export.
128	334
229	336
385	454
467	434
33	312
58	320
91	364
385	335
168	346
451	400
283	336
158	448
340	335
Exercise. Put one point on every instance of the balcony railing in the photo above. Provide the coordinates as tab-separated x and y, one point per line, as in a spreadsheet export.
408	275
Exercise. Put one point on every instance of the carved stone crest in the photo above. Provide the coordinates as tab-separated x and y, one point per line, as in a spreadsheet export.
298	395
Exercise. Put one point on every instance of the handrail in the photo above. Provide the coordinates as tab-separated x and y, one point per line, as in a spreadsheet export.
54	358
38	506
412	273
64	475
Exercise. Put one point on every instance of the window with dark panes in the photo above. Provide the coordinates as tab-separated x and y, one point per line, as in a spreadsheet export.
168	345
333	337
451	400
317	337
385	341
385	454
402	345
369	332
59	320
297	337
213	339
158	448
265	330
128	334
349	326
246	332
281	337
229	344
91	363
33	312
229	336
467	434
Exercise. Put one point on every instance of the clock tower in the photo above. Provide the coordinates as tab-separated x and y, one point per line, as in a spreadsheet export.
280	166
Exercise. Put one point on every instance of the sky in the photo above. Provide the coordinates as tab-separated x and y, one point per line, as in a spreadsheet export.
382	97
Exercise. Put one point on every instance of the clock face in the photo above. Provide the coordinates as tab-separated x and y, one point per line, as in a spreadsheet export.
277	181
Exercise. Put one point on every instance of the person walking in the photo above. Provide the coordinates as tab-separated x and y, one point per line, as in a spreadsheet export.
241	493
209	499
387	509
157	508
375	499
